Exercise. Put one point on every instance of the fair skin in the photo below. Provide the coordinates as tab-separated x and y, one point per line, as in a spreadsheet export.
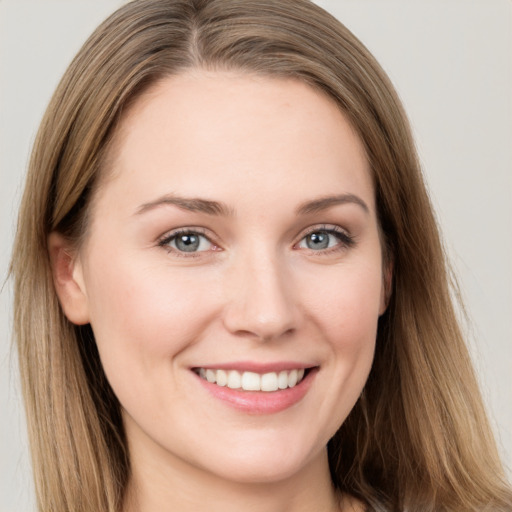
276	270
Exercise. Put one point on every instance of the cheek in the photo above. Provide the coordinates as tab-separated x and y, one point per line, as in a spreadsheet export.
142	317
347	304
344	310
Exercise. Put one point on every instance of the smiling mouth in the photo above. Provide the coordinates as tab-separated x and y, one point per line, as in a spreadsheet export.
252	381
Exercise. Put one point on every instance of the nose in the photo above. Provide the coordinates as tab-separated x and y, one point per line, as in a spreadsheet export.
261	303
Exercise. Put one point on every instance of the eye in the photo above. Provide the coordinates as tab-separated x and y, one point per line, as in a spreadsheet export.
187	241
322	239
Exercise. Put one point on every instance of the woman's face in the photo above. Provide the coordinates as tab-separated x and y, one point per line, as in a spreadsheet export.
235	243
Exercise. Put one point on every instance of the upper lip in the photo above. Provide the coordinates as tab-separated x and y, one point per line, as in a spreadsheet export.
256	367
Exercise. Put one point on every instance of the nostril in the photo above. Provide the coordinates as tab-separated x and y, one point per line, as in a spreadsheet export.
261	304
240	321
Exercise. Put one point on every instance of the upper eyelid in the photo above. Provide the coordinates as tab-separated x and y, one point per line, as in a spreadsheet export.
169	235
323	227
345	238
165	241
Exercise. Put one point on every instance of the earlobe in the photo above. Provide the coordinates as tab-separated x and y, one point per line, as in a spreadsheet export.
68	279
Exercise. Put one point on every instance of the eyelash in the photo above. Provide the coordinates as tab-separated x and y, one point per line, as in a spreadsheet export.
345	240
168	238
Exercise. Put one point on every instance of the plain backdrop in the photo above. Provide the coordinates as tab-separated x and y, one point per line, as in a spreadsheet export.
451	61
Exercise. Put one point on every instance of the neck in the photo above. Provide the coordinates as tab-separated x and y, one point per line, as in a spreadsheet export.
179	486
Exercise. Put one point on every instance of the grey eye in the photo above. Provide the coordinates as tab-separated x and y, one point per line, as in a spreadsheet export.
319	240
189	242
323	239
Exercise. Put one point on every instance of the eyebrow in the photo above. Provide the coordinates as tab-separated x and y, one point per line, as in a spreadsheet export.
210	207
191	204
323	203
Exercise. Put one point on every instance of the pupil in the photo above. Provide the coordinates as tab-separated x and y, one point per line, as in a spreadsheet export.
318	241
187	243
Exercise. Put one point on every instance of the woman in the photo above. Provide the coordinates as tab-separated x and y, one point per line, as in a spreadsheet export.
230	289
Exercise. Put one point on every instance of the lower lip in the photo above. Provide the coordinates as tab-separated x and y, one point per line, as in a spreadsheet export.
261	402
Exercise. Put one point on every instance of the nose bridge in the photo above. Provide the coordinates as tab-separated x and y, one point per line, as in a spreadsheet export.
261	302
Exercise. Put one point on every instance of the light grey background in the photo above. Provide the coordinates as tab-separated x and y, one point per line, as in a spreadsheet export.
451	61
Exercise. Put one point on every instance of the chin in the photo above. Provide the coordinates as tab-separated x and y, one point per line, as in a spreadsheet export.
260	464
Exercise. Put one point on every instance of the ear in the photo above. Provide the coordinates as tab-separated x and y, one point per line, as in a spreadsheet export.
387	284
68	279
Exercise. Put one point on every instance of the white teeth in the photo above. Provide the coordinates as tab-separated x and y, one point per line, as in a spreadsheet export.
269	382
234	380
282	380
222	378
251	381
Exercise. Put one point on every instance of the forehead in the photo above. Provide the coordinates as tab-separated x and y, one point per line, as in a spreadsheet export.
203	130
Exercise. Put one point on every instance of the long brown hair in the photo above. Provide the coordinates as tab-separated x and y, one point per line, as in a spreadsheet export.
418	438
